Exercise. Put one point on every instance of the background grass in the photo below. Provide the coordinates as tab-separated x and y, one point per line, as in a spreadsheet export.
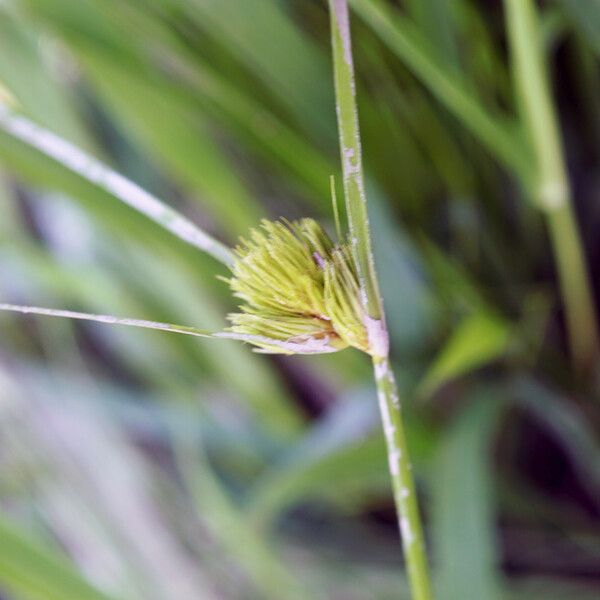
157	467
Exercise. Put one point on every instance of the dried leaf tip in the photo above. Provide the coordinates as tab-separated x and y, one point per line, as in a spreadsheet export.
299	289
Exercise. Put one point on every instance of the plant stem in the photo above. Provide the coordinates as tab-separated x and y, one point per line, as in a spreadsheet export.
581	320
351	155
356	207
402	481
551	187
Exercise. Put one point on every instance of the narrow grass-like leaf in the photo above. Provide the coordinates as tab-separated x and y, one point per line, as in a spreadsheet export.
24	71
498	133
180	139
478	340
241	25
30	571
564	419
585	15
551	186
464	516
341	442
233	531
435	18
108	319
115	184
192	82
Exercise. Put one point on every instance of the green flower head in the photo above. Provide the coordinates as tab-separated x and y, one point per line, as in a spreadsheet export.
300	291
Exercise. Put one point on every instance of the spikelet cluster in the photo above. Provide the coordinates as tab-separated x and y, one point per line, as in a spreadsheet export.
299	290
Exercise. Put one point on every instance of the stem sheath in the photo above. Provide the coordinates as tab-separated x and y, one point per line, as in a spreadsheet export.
402	481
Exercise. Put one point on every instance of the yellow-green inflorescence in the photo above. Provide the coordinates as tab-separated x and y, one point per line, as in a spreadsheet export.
300	291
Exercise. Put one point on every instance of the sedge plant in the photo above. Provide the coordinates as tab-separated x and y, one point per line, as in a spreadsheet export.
301	291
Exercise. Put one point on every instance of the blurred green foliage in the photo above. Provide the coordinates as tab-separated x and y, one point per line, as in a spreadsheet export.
159	467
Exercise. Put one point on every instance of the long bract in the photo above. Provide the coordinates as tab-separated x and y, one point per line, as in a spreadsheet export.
128	192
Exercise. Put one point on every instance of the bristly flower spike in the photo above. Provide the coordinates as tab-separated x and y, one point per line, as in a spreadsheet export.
300	290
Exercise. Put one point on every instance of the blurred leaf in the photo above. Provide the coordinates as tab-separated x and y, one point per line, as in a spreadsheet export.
567	422
340	443
435	19
20	131
240	26
551	588
180	139
342	458
478	340
585	15
229	526
205	88
464	521
24	70
409	302
497	132
31	571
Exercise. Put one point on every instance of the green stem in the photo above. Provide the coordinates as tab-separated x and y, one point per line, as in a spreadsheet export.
351	155
356	207
402	481
551	187
575	288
